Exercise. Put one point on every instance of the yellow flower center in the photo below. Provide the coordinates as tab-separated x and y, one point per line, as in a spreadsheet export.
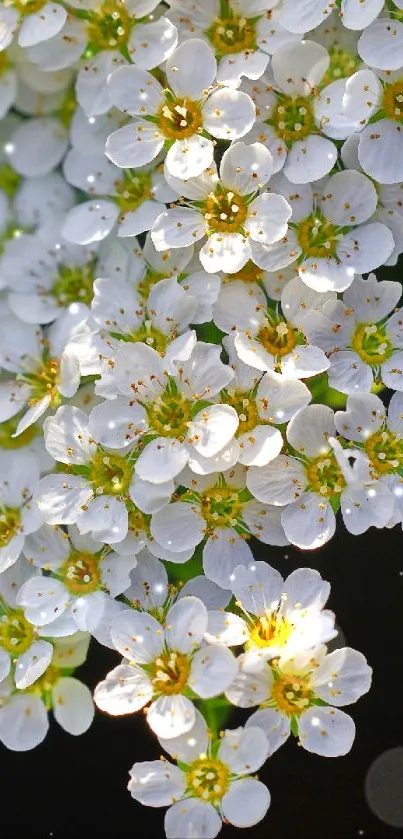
385	451
342	65
45	684
169	672
278	339
25	7
150	279
10	519
81	573
246	409
371	343
74	284
110	25
132	190
292	694
225	212
318	236
324	476
392	102
208	779
170	415
16	633
221	506
232	34
293	119
180	118
250	273
270	630
110	474
44	382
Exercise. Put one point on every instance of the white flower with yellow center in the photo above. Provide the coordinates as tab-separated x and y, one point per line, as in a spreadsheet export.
373	99
80	578
46	275
24	712
173	408
162	662
211	785
268	336
291	124
363	341
243	34
280	618
94	491
379	433
161	322
313	483
302	694
23	655
125	203
185	117
19	514
217	508
36	21
331	234
228	211
45	366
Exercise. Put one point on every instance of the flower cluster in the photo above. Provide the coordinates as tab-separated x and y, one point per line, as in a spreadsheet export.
195	353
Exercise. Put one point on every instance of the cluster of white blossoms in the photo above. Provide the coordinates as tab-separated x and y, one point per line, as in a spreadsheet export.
195	354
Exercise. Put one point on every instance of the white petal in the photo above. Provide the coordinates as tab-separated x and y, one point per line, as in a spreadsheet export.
228	114
310	522
190	157
32	664
267	218
250	688
125	690
106	518
171	716
137	636
191	818
275	725
310	159
244	750
348	373
364	507
310	429
73	707
259	446
90	222
177	527
213	670
186	624
326	731
67	437
156	783
60	498
222	553
191	69
258	587
343	677
226	628
134	144
280	482
188	747
381	44
245	169
178	228
246	802
134	91
151	43
380	152
161	460
23	722
42	25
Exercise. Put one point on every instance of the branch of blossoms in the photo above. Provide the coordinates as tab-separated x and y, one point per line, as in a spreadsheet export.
195	356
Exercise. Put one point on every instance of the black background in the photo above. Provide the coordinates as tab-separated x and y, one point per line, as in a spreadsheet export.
76	787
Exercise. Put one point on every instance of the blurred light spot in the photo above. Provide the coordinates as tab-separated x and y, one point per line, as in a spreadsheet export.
384	785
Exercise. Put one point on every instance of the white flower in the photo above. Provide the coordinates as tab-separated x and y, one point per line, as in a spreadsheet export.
81	578
309	14
331	234
175	412
22	655
94	492
45	365
287	101
242	33
280	618
302	694
183	116
312	484
376	97
37	146
161	661
379	433
124	319
267	336
211	784
34	24
19	514
229	211
24	713
128	202
363	341
45	275
219	508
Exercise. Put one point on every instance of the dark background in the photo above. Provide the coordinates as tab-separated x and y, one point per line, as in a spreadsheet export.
76	787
